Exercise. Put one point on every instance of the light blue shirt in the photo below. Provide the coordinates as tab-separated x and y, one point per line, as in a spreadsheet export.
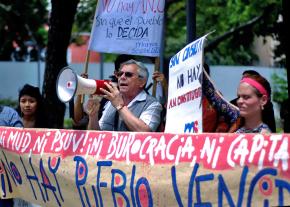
143	106
9	117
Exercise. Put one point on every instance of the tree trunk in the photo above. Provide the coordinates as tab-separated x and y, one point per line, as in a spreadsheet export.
61	21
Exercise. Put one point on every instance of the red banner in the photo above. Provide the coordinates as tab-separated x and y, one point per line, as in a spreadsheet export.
91	168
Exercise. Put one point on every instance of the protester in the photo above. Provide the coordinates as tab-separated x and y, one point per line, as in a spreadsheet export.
129	108
81	119
30	107
271	118
8	118
246	72
254	102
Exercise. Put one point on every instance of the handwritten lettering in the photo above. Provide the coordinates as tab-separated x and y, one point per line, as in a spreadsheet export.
184	98
133	6
133	32
122	168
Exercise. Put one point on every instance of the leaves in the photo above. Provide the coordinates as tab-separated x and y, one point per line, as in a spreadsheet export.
20	22
224	16
279	87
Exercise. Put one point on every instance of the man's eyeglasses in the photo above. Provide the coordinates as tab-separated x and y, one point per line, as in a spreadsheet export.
127	74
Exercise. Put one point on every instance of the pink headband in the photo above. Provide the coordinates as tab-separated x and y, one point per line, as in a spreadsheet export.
256	85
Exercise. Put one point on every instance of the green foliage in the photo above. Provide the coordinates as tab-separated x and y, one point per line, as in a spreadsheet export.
85	16
280	87
216	15
223	16
21	23
68	123
8	102
42	35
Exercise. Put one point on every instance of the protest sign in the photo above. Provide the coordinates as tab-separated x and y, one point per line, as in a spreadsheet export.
184	106
128	27
54	167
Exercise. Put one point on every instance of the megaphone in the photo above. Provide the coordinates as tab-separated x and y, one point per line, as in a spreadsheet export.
69	84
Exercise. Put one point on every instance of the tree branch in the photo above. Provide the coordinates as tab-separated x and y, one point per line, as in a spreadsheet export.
213	44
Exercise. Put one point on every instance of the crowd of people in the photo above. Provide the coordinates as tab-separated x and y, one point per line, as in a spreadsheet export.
254	112
129	108
29	114
126	105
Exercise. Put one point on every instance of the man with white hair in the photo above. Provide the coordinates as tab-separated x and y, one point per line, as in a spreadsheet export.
129	108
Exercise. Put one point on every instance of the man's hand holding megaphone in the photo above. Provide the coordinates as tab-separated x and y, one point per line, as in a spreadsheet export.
113	95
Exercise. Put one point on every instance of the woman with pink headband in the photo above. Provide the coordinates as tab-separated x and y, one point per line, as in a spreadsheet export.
254	102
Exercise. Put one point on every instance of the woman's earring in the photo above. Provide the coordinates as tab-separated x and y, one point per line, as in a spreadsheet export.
262	107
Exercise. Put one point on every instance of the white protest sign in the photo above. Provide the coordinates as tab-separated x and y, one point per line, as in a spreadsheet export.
184	106
128	27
